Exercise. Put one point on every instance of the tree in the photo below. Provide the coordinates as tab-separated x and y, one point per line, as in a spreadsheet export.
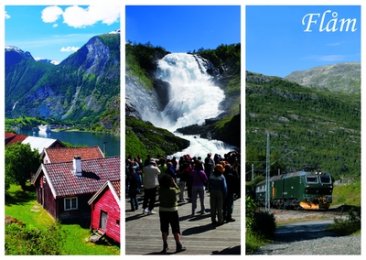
20	163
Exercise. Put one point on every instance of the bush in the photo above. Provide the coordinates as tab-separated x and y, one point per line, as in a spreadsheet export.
23	240
349	225
260	226
264	224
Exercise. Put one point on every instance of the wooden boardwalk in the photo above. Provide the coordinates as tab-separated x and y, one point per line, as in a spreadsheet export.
143	236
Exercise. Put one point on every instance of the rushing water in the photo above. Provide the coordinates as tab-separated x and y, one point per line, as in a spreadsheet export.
193	97
110	144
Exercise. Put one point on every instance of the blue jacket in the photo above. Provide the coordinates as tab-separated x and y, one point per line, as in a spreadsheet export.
217	183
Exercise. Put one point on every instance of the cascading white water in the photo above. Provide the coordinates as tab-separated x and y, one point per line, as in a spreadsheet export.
193	97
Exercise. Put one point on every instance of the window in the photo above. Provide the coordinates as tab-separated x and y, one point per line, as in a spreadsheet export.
311	179
70	203
117	222
325	179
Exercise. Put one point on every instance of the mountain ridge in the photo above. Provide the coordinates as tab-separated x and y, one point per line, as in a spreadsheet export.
83	88
341	77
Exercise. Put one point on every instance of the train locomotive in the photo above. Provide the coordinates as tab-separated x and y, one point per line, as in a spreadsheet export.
307	190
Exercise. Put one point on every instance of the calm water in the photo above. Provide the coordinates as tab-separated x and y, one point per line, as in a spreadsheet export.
109	144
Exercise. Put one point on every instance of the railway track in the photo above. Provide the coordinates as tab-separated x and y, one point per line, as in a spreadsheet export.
284	216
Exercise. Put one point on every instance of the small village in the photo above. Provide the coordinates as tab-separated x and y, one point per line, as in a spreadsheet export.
72	186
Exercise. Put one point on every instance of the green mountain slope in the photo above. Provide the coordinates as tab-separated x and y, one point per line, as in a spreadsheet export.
83	89
143	139
308	127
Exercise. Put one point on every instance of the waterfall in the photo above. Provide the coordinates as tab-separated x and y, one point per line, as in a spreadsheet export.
192	98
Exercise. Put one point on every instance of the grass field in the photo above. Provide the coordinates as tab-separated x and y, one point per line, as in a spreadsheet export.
347	194
23	206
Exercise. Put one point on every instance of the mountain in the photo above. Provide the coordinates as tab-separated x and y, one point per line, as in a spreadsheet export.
342	77
22	72
308	127
84	88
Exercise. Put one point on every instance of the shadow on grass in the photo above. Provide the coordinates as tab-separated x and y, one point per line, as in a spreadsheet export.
19	197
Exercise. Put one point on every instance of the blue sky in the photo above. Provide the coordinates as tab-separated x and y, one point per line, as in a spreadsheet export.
55	32
183	28
277	45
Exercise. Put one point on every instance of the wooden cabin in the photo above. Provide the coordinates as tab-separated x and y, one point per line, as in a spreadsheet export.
65	188
105	210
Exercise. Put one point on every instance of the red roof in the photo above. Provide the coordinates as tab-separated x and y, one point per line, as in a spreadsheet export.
117	187
11	138
114	186
57	155
9	135
95	173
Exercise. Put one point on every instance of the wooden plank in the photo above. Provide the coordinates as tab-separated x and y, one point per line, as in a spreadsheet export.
143	236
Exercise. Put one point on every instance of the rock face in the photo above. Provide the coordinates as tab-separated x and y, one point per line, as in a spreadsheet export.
343	77
83	87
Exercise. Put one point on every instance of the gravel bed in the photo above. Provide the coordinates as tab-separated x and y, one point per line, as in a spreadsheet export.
346	245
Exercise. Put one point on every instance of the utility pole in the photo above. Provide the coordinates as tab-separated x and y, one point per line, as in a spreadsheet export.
252	172
268	165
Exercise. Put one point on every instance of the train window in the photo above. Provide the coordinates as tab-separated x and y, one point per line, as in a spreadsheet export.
311	179
325	179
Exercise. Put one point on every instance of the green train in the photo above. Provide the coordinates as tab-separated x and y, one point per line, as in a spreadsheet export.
307	190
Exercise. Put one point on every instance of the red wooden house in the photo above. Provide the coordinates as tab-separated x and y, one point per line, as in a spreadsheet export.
64	189
105	210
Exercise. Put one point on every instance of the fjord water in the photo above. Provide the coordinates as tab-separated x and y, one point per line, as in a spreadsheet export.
192	98
106	142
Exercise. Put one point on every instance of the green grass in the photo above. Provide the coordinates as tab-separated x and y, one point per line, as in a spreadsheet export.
23	206
76	243
253	242
348	194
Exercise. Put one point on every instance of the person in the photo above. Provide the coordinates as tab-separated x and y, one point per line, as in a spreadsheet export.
209	165
171	171
168	212
151	182
186	181
133	188
218	190
199	180
232	179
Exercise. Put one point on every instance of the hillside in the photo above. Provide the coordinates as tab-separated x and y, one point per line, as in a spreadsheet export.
343	77
308	127
83	89
143	139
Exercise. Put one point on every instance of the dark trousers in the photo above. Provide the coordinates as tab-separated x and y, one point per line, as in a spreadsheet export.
149	198
133	200
228	206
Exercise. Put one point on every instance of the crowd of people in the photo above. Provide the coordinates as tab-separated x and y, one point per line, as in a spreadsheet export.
172	179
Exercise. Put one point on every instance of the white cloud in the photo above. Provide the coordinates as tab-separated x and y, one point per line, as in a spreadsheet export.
69	49
55	25
79	17
51	14
7	16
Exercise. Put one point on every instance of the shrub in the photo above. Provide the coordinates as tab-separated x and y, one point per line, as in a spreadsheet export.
349	225
23	240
